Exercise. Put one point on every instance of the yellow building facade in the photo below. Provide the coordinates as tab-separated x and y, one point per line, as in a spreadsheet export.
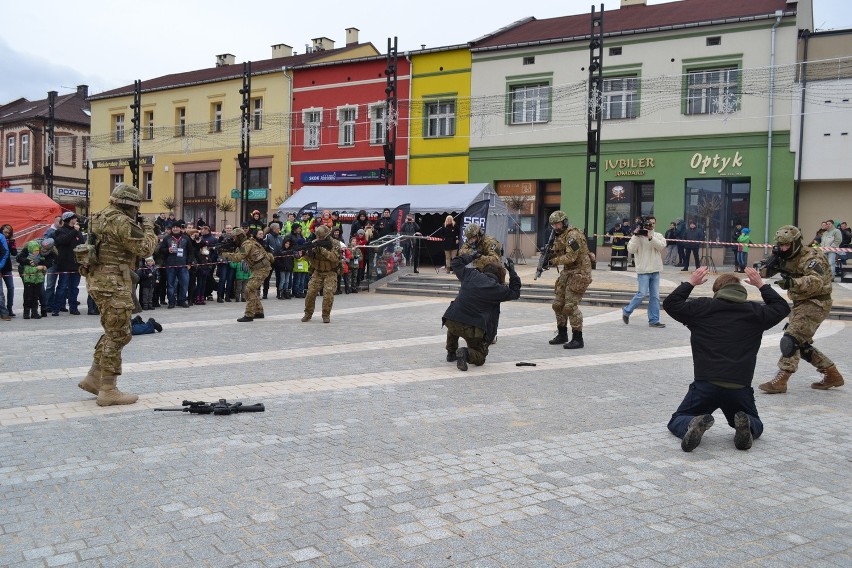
440	121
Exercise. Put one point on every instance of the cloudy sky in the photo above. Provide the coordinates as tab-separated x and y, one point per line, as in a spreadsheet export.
58	44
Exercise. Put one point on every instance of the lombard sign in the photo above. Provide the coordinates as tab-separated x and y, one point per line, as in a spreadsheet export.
71	192
719	165
629	166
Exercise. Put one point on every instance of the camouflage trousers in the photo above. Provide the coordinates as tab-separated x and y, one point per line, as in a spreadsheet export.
253	286
327	281
112	294
566	304
805	319
474	336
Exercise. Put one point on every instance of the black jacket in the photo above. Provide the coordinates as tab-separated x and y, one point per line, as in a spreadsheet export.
183	255
479	298
450	235
696	234
65	240
725	335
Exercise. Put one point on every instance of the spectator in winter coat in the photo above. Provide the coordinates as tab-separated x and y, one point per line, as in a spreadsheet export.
7	251
695	236
360	222
176	250
449	233
411	247
65	239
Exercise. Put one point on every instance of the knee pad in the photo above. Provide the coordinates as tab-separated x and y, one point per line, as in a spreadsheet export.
807	351
789	345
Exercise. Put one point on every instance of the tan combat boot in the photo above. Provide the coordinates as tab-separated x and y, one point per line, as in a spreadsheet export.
307	317
110	395
778	385
326	319
831	377
92	381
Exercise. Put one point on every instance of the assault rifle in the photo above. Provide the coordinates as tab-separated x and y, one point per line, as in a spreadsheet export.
221	408
543	258
771	265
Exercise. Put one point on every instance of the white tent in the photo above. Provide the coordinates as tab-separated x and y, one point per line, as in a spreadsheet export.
424	199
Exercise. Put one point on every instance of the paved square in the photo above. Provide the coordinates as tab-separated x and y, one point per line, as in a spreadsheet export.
374	451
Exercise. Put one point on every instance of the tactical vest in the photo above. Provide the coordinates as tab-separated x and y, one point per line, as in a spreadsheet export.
106	225
569	239
321	264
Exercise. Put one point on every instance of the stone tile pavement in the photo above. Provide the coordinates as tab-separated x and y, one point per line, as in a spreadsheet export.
375	452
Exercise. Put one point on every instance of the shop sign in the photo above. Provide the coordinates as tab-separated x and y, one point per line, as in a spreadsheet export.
629	166
719	164
122	162
375	174
71	192
253	194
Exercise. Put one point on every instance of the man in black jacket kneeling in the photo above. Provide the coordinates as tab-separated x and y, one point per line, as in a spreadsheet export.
726	331
474	314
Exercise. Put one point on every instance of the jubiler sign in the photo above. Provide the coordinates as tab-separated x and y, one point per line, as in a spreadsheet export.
629	166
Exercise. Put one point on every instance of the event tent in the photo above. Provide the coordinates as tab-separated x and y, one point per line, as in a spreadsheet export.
445	199
30	214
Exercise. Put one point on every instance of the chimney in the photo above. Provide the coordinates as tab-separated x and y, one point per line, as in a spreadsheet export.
82	91
225	59
626	3
281	50
322	44
351	36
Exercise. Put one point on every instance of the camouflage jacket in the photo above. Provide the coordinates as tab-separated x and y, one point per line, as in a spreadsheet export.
253	253
571	251
325	260
490	249
810	273
119	239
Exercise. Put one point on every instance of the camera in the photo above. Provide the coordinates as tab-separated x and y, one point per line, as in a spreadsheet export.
643	225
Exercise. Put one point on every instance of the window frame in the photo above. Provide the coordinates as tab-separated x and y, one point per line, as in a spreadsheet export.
439	120
378	124
148	129
147	185
216	117
629	105
257	113
118	129
730	88
116	179
541	101
11	149
347	119
311	126
25	148
180	122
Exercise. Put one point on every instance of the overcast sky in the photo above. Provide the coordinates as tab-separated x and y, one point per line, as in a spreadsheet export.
58	44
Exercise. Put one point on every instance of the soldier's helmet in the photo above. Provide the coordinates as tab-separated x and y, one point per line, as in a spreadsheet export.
789	235
238	235
322	232
558	217
472	230
125	194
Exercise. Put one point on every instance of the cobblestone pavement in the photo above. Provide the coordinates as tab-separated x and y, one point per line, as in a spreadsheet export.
373	451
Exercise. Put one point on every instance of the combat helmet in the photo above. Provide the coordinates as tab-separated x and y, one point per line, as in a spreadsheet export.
789	235
322	232
238	235
558	217
472	230
125	194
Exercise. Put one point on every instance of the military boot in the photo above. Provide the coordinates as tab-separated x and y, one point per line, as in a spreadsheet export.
461	358
831	377
561	335
778	385
110	395
92	381
576	340
307	317
26	313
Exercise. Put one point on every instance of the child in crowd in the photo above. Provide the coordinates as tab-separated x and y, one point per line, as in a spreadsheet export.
149	277
301	267
34	269
285	263
356	265
242	274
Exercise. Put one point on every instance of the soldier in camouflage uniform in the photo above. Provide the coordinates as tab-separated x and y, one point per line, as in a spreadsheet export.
807	277
116	240
260	264
571	251
489	248
325	259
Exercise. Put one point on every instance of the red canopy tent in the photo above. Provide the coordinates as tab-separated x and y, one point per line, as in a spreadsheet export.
30	214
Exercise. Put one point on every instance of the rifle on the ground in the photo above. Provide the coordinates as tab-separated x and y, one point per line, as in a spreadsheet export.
543	258
221	408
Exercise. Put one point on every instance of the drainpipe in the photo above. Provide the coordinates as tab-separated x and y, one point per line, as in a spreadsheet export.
806	35
410	94
778	15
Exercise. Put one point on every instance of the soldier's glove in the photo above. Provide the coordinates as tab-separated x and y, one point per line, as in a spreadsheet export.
785	283
510	266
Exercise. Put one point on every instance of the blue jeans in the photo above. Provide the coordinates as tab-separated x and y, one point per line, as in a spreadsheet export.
300	282
704	398
226	281
67	289
4	311
742	258
50	286
285	281
9	281
832	260
177	276
649	286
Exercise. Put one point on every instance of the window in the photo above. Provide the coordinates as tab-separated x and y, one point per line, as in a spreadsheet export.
615	51
378	128
529	60
721	202
346	117
257	112
715	40
627	200
216	117
10	151
440	119
148	125
620	97
116	179
712	91
180	121
118	128
530	103
147	185
65	149
25	148
313	123
196	192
